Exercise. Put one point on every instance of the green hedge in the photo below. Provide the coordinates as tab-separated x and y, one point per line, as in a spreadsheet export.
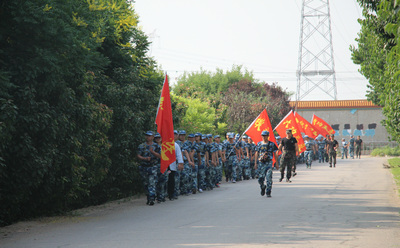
76	94
386	151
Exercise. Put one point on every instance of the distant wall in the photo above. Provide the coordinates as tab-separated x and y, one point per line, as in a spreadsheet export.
364	122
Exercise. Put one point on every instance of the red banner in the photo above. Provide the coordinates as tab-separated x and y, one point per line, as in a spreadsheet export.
165	127
289	122
261	123
305	126
321	125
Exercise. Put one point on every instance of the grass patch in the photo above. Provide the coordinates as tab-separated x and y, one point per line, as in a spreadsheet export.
395	168
386	151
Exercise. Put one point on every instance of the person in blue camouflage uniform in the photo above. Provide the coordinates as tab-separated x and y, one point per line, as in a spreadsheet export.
246	157
278	142
310	150
224	158
162	178
265	149
239	170
210	162
219	145
186	182
321	148
213	161
148	166
351	146
207	163
202	164
197	162
252	158
231	150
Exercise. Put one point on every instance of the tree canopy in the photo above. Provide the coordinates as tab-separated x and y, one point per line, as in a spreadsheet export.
237	97
378	55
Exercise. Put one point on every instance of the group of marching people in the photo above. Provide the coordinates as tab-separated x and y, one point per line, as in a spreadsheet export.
325	149
198	166
201	159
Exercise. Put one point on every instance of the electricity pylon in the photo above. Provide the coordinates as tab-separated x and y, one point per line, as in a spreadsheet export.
316	67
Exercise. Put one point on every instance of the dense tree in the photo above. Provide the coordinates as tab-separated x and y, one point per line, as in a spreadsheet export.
245	101
378	55
236	96
76	94
207	85
199	116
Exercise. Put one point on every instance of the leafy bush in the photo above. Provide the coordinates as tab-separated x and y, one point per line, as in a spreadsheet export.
386	151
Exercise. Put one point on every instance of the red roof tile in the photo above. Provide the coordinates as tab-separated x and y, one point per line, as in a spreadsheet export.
338	104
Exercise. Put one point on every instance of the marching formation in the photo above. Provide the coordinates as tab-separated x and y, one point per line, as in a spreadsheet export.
202	160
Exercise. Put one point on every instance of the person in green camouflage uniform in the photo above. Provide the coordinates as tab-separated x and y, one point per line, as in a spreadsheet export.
331	147
289	148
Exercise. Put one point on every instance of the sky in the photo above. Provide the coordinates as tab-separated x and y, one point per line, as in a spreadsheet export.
261	35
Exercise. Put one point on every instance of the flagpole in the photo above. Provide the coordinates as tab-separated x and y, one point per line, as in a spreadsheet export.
244	133
159	101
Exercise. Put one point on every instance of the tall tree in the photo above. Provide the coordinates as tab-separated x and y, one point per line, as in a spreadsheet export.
211	87
378	56
245	100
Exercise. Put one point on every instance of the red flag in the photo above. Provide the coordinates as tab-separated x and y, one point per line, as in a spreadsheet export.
261	123
165	127
289	122
305	126
321	125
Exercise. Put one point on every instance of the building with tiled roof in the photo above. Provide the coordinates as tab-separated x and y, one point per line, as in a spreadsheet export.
348	117
338	104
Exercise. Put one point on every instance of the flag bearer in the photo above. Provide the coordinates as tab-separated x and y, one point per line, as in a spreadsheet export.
265	151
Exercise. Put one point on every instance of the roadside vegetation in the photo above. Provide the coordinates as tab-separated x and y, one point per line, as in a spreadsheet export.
394	163
386	151
377	53
395	168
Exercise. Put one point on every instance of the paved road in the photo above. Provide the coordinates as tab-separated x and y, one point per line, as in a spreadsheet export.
352	205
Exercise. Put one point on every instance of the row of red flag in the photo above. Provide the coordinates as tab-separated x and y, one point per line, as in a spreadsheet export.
292	121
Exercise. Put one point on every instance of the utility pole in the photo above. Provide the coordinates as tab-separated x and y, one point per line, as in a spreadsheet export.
316	67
